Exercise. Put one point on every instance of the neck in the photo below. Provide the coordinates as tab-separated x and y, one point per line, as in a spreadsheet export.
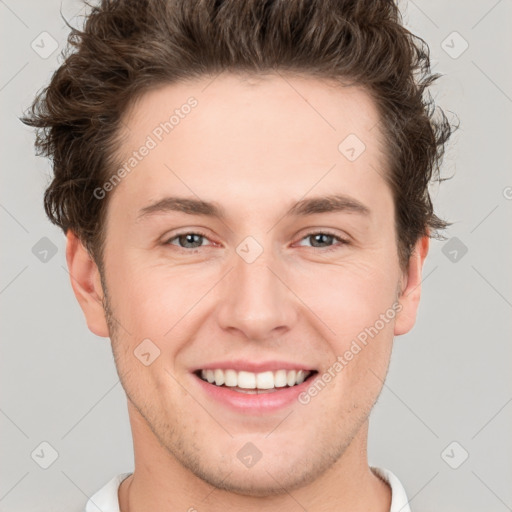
160	482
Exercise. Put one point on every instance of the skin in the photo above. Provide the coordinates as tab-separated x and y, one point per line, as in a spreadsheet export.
256	147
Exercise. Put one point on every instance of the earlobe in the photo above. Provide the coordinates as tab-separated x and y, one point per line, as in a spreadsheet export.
410	296
86	284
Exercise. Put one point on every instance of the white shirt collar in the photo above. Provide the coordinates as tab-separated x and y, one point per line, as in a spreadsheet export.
106	499
399	501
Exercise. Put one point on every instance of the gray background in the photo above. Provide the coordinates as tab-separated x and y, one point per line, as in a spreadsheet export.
449	379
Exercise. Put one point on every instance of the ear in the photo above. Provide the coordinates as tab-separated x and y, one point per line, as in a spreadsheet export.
411	287
86	284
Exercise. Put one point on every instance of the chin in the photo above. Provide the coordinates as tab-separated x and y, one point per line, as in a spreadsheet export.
259	482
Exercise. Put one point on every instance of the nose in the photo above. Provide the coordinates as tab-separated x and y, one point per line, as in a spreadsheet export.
256	299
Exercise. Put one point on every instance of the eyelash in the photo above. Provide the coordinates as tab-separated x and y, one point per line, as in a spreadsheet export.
312	233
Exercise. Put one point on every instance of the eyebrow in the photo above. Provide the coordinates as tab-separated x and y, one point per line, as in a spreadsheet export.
304	207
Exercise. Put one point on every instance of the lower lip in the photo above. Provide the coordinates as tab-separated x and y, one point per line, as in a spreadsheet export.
252	403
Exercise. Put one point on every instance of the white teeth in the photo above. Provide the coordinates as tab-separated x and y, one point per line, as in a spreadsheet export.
280	379
250	380
265	380
230	378
219	377
290	377
301	376
246	380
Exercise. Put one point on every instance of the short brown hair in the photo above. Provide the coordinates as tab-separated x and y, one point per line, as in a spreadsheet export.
127	47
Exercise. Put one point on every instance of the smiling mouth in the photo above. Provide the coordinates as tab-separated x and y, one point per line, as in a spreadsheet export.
254	383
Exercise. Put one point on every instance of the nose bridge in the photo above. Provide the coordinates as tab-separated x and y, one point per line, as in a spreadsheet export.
255	300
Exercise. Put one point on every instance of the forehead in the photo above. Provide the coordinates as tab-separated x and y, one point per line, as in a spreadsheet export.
244	137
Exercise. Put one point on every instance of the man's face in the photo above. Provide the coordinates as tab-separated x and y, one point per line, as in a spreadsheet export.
259	290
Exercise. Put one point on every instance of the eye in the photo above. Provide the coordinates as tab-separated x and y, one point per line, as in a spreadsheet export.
194	240
188	240
320	238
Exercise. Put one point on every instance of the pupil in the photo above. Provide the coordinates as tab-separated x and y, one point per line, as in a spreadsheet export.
189	238
319	237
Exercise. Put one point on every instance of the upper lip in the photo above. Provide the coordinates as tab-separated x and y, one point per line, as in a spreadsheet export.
255	367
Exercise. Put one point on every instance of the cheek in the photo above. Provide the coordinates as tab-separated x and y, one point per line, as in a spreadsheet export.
354	302
349	297
152	299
